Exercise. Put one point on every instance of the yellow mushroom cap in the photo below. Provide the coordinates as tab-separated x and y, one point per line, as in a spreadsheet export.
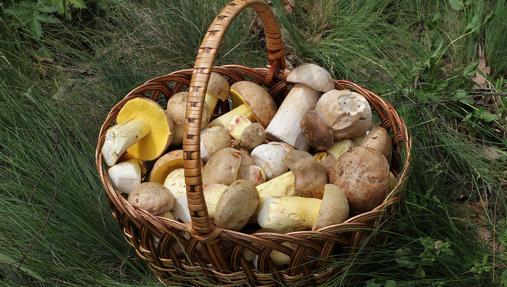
155	143
257	98
165	164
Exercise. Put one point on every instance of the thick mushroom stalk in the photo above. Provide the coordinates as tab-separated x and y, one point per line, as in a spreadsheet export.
126	176
310	80
270	157
142	128
249	134
286	214
256	105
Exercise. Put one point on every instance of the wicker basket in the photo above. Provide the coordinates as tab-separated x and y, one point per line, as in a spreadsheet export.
174	249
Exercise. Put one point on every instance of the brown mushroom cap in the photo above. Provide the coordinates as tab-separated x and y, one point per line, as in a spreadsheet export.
152	197
176	108
222	167
218	87
363	173
252	136
347	113
236	205
310	175
316	131
334	208
258	99
313	76
378	138
213	139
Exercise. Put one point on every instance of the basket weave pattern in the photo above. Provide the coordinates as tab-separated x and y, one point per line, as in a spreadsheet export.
174	249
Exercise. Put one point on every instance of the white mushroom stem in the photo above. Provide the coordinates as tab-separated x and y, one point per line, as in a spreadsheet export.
289	213
270	157
226	118
285	125
237	125
126	176
120	137
175	182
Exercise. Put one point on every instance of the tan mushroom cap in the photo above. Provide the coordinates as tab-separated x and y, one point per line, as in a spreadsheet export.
257	98
177	108
310	175
218	87
313	76
165	164
316	131
363	174
236	205
334	208
213	139
161	127
152	197
222	167
378	138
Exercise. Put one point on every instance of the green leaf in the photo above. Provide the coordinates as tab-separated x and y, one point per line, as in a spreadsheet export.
403	257
36	28
503	279
456	5
485	115
469	70
47	19
473	24
79	4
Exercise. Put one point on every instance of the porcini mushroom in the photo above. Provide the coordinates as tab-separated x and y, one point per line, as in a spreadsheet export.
288	213
213	139
334	208
249	134
212	193
125	176
310	176
378	138
165	164
310	80
257	104
363	174
347	113
175	182
236	205
318	134
270	157
152	197
142	128
252	173
340	147
222	167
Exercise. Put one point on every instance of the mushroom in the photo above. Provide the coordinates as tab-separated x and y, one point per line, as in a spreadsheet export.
347	113
257	104
169	215
165	164
236	205
340	147
334	208
270	157
218	89
310	176
213	139
152	197
142	128
125	176
363	174
212	193
252	173
327	161
310	80
222	167
292	213
378	138
318	134
249	134
175	182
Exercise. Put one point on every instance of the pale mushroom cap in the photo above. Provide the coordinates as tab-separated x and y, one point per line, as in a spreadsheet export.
125	176
212	193
152	197
363	174
378	138
218	86
270	158
334	208
347	113
258	99
316	131
165	164
175	182
236	205
313	76
177	108
222	167
213	139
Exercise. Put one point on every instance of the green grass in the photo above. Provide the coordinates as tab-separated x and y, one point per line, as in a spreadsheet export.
56	228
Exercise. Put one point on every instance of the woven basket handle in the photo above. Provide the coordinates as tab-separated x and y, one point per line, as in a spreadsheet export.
203	65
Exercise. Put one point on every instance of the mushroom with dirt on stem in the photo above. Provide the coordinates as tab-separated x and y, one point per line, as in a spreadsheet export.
249	134
257	105
143	129
152	197
310	80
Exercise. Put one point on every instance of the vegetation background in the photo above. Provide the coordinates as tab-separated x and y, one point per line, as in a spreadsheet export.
64	63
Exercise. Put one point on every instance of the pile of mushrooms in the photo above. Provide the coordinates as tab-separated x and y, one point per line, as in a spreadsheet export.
313	162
